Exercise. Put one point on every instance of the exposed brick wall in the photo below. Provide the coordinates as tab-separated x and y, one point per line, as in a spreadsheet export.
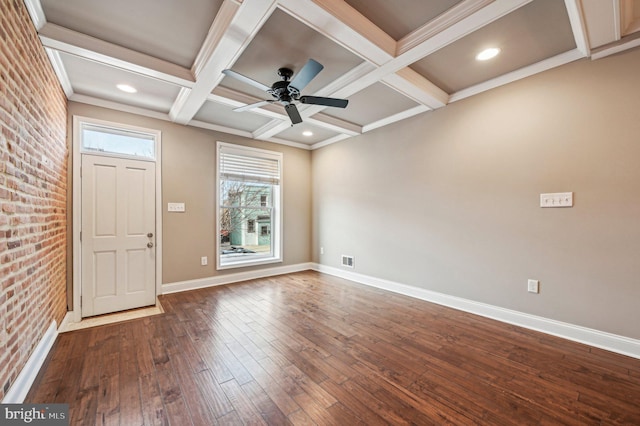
33	182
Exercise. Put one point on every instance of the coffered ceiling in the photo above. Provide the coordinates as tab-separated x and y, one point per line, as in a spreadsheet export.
390	59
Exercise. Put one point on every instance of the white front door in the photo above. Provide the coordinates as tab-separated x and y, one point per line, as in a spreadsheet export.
118	234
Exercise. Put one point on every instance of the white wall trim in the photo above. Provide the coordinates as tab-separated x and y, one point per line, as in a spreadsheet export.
600	339
27	376
234	278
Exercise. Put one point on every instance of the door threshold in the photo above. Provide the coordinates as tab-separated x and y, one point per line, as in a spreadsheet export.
111	318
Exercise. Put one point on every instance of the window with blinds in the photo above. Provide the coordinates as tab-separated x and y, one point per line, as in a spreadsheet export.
248	199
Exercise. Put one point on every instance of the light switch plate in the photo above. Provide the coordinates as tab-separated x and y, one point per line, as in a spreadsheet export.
557	199
175	207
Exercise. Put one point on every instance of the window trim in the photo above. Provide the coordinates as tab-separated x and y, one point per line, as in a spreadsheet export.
277	203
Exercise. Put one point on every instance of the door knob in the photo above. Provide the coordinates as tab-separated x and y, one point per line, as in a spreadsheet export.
150	235
149	244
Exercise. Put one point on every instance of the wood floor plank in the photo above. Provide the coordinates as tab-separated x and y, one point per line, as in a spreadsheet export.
215	397
183	372
130	402
244	407
268	409
360	409
153	412
308	348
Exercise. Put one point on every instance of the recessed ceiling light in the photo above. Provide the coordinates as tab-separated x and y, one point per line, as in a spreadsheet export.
486	54
307	133
126	88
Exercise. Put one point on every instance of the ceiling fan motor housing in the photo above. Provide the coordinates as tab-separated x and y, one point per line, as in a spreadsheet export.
280	91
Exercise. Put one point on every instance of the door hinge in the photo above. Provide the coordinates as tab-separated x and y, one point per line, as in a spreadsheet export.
80	236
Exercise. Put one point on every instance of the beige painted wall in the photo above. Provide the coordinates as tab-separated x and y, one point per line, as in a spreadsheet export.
449	200
188	175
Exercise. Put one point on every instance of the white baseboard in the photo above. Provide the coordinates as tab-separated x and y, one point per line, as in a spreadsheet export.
600	339
234	278
21	386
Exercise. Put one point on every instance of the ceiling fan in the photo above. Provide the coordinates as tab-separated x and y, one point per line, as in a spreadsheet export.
287	92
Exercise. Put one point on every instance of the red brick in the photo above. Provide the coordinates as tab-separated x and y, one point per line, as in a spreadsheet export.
33	197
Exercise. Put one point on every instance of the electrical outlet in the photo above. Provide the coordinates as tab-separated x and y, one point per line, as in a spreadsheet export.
557	199
175	207
204	261
321	250
533	286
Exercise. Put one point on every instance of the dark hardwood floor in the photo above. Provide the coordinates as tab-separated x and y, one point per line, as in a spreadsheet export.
311	349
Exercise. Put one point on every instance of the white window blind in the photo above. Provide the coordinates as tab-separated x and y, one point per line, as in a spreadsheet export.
247	167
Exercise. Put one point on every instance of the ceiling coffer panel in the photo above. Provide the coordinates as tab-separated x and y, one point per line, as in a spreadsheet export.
374	103
169	30
532	33
99	81
223	115
296	133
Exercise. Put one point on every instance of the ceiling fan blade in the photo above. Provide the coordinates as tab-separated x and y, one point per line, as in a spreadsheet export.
305	75
252	106
294	115
332	102
245	79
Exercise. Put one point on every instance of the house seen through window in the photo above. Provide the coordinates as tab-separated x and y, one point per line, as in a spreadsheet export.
248	198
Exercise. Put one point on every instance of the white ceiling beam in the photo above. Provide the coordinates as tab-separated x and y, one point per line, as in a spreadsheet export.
576	17
87	47
617	19
232	30
117	106
60	70
344	25
439	24
271	129
289	143
335	124
416	87
219	128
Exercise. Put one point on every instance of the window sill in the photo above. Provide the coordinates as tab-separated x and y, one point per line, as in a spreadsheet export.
247	263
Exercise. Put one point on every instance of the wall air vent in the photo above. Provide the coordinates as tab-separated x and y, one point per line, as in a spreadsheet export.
347	261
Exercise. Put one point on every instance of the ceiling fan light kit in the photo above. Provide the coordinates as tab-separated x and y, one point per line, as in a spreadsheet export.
287	92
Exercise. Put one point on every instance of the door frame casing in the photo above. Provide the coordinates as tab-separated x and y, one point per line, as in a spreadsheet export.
76	313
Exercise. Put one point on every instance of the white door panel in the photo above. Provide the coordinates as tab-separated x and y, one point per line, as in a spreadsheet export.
118	213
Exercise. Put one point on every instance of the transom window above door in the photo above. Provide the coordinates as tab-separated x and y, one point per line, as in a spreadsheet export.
117	141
